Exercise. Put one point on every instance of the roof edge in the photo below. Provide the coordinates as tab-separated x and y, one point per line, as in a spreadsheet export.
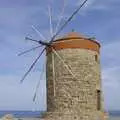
62	39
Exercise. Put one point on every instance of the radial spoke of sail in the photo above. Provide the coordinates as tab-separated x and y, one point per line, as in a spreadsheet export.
50	20
27	51
68	20
63	61
30	39
53	73
61	17
38	84
33	64
39	33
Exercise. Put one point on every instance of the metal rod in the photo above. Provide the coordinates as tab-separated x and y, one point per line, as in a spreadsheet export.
38	32
61	17
29	70
50	19
63	61
53	70
27	38
38	84
40	41
34	48
68	20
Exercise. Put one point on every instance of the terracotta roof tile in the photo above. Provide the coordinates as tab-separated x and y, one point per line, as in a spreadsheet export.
73	35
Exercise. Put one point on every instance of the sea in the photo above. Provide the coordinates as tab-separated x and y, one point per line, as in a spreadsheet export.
113	115
23	114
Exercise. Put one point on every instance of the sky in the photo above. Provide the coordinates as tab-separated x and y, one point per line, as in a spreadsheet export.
99	19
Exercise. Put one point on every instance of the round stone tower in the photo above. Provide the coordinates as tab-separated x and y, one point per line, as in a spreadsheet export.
74	79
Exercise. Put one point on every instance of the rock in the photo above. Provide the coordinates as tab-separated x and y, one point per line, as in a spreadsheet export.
8	117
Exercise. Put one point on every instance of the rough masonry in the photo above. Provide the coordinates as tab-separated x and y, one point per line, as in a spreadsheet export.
77	97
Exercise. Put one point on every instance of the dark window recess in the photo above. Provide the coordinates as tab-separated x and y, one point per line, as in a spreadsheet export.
96	58
98	99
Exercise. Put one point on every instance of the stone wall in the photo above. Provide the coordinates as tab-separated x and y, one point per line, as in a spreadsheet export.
73	98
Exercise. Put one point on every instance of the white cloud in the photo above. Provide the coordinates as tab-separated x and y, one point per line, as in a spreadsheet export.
110	54
93	5
13	25
16	96
111	75
111	86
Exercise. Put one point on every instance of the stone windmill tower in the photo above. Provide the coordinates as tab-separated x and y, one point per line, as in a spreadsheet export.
74	79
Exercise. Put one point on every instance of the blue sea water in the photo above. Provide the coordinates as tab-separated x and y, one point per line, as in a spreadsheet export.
114	115
22	113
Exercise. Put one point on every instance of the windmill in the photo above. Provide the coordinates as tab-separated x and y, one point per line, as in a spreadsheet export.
45	44
73	79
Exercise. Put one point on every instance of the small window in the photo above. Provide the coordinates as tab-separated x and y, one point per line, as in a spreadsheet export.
98	99
96	58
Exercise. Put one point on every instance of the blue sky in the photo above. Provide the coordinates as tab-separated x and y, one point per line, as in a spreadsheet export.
100	19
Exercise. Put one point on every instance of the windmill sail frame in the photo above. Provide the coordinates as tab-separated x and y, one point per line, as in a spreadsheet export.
49	44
